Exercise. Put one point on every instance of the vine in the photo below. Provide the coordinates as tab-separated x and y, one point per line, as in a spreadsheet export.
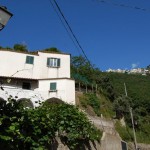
38	128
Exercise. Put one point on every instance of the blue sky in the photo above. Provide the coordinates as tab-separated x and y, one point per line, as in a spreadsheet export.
111	36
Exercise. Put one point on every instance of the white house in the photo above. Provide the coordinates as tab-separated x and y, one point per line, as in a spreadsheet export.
38	76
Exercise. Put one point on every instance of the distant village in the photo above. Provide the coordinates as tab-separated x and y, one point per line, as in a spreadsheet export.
141	71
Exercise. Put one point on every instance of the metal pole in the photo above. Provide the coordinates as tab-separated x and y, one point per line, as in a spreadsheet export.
125	89
131	114
79	87
135	141
96	88
86	88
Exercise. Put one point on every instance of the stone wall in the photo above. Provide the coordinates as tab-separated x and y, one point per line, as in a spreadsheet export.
140	146
108	142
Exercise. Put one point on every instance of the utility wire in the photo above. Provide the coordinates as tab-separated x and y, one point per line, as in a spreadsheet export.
71	31
123	5
65	26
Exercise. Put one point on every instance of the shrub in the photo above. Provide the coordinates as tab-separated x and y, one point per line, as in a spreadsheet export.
37	128
124	131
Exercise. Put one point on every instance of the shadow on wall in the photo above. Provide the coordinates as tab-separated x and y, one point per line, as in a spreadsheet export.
2	101
60	144
26	103
54	100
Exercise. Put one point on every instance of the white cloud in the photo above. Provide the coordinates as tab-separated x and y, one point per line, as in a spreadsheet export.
135	65
24	43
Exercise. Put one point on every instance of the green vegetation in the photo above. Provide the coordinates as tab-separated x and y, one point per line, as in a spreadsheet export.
36	129
138	90
124	131
52	49
100	104
121	106
23	48
110	88
92	100
20	48
16	47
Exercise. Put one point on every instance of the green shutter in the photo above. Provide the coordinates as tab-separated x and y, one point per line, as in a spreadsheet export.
29	60
53	86
58	62
48	61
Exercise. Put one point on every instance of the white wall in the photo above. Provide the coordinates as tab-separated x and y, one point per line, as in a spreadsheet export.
14	64
11	62
65	90
19	93
40	90
61	72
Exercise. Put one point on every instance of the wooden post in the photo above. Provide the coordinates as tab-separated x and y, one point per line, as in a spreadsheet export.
96	88
86	88
79	87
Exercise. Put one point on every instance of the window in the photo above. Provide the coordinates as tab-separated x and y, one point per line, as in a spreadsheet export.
53	62
29	60
26	85
53	86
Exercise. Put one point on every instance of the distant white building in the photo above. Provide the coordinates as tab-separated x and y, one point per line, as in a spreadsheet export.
36	77
117	70
141	71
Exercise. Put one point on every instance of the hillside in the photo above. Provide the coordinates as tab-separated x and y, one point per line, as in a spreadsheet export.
138	86
104	95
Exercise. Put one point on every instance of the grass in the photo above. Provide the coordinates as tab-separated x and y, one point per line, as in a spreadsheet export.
99	103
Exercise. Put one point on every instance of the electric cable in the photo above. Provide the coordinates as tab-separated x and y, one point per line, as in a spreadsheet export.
71	31
65	26
123	5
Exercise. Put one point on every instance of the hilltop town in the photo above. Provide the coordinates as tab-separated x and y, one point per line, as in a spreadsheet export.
142	71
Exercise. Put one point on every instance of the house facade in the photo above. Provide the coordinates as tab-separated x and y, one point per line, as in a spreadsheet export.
38	76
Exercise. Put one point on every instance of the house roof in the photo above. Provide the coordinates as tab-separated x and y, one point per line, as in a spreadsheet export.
42	51
31	53
34	52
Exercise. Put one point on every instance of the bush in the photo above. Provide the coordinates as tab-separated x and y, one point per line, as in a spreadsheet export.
37	128
124	131
92	100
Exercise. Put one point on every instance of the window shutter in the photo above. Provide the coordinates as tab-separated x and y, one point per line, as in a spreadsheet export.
53	86
58	62
29	60
48	61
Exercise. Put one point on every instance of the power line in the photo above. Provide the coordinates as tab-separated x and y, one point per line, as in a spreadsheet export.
123	5
65	26
71	31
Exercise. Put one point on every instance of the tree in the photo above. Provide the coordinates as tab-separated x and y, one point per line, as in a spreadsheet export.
52	49
20	47
80	66
121	106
